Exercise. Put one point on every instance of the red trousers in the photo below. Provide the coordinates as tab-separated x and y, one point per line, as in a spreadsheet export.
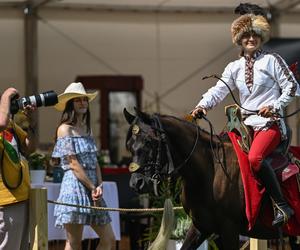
264	142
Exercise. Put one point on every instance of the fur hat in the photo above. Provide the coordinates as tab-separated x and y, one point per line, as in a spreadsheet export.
250	23
75	89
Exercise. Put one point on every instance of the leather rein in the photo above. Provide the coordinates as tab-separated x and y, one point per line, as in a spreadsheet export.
169	167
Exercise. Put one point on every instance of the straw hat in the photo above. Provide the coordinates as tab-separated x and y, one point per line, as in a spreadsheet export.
75	89
250	23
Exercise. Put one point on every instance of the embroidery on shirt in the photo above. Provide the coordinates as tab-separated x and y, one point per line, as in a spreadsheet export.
287	73
249	64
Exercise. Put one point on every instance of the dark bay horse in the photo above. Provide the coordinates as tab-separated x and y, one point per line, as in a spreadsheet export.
211	194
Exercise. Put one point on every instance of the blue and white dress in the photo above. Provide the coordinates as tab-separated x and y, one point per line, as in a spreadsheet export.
72	191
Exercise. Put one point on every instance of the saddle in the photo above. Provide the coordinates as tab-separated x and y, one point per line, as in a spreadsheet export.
235	124
283	162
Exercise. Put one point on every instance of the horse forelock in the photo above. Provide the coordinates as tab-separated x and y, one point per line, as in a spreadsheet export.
136	121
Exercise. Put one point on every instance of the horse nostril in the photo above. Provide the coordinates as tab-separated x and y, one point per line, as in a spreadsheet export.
140	184
132	183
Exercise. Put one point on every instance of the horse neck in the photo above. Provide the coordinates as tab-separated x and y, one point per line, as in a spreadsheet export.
182	137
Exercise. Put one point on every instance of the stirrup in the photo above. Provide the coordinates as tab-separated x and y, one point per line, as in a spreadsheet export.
279	221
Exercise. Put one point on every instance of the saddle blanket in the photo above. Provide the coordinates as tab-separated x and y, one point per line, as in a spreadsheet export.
254	190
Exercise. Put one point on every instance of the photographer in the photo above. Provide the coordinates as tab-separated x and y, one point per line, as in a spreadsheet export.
14	176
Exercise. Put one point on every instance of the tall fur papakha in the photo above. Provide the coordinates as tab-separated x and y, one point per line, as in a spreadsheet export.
250	23
248	8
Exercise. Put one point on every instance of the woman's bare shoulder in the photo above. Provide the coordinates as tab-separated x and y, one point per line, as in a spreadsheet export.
64	130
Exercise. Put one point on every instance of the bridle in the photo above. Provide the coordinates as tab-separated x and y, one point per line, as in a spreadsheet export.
171	169
166	168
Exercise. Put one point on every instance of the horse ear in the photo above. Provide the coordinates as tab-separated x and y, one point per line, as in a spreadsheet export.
129	117
142	115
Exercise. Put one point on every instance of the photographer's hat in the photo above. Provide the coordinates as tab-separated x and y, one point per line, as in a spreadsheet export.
250	23
75	89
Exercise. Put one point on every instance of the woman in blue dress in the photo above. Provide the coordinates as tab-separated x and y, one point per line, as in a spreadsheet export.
82	181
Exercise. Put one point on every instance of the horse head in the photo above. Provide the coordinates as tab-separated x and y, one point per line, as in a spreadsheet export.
146	141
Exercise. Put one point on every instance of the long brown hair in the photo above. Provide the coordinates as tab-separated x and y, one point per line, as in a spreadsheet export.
68	116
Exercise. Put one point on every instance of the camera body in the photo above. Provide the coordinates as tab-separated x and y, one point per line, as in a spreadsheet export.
48	98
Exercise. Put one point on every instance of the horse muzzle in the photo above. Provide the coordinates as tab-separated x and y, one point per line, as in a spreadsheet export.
139	183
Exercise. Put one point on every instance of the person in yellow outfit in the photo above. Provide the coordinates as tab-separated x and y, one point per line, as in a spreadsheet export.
15	144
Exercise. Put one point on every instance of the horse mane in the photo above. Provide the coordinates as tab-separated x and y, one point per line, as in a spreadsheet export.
216	139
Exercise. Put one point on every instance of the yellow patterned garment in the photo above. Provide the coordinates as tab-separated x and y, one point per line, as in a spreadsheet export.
12	163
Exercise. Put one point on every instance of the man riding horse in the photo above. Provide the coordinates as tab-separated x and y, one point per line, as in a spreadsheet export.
266	86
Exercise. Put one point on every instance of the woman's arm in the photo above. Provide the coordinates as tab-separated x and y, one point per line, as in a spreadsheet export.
79	172
98	191
66	130
99	175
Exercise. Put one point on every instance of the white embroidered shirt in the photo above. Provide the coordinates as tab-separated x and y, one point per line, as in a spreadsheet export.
273	85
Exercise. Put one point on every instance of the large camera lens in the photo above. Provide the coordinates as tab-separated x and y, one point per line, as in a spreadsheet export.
48	98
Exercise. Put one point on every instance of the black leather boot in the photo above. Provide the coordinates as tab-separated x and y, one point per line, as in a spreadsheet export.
269	179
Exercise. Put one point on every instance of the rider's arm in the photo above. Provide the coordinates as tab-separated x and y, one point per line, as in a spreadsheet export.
217	93
287	83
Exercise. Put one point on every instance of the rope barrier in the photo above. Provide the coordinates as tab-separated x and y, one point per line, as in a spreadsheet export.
245	245
121	210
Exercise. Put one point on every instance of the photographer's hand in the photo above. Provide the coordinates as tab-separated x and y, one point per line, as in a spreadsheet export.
30	142
6	97
28	111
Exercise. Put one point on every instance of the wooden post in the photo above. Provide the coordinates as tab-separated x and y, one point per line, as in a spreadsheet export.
256	244
31	58
38	219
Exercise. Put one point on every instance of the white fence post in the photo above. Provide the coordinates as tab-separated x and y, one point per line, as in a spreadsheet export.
256	244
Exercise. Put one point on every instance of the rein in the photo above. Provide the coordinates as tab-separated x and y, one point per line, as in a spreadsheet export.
249	110
171	169
216	155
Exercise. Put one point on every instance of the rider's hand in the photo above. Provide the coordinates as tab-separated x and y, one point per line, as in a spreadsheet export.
265	112
198	112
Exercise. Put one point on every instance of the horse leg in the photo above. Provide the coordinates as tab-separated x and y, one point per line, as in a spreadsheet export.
228	238
228	242
294	243
193	239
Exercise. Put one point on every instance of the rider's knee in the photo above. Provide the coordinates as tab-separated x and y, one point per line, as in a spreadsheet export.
255	162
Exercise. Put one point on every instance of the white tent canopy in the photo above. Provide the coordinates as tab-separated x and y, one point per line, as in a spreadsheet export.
172	44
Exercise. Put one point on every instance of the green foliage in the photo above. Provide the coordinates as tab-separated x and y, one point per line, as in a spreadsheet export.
38	161
182	226
182	220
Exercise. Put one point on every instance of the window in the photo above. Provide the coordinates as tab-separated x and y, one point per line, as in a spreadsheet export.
108	123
